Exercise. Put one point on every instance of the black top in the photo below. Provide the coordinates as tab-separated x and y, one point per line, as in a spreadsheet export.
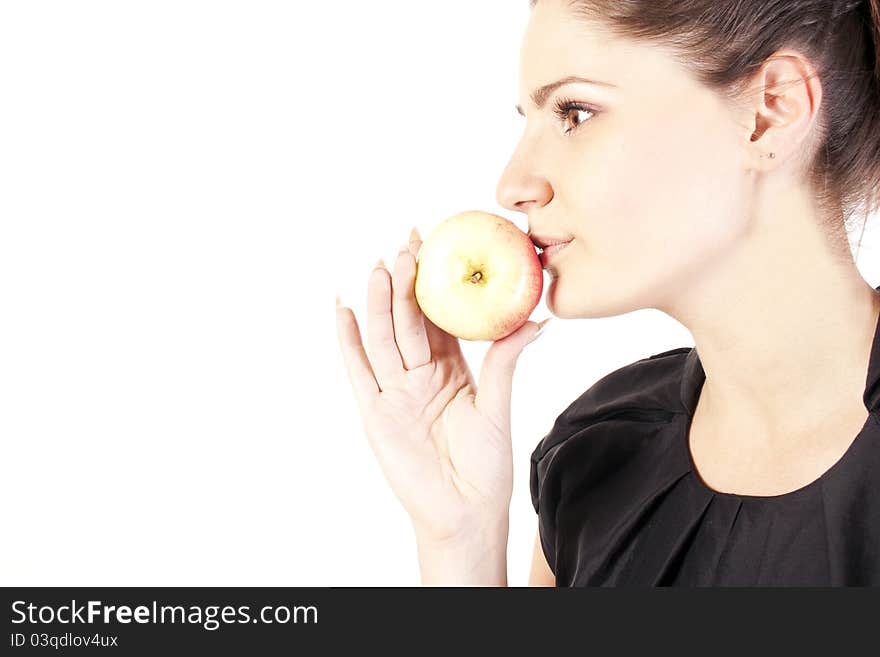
620	503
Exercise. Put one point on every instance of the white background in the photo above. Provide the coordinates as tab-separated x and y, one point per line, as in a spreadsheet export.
184	189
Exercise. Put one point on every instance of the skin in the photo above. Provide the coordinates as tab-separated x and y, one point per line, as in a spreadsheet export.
673	204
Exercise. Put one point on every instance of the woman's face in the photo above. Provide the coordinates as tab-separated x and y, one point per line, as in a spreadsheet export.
652	186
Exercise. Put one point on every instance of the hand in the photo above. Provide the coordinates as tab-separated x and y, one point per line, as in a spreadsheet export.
443	444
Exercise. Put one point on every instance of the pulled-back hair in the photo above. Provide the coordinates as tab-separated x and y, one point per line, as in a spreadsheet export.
723	42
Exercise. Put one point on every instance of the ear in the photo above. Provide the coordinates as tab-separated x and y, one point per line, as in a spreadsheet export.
784	97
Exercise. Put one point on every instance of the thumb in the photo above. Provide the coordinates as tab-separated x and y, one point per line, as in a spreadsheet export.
496	374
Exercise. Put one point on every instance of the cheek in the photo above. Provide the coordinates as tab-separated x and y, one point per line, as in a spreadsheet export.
662	195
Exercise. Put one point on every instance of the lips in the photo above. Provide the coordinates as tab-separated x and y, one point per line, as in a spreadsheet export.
551	252
543	242
549	246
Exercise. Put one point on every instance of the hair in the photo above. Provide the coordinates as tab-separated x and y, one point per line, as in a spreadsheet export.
722	44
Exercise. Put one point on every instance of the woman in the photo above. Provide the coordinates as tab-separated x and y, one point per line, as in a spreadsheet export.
701	158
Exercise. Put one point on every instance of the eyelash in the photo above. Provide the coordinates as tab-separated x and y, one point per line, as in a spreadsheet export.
565	105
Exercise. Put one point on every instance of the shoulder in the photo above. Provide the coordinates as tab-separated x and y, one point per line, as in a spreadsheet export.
646	384
642	393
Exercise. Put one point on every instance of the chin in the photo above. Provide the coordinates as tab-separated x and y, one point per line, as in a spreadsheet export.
593	302
556	306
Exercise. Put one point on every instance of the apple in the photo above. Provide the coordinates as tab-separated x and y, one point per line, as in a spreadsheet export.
478	276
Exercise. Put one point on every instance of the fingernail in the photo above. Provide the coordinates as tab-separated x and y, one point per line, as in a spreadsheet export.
540	331
380	263
414	235
338	302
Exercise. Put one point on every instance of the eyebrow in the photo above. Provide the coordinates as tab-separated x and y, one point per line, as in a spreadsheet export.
540	95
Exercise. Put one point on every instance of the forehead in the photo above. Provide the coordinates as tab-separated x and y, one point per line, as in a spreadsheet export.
557	43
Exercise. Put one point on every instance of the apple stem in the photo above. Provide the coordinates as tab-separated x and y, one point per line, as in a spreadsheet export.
476	277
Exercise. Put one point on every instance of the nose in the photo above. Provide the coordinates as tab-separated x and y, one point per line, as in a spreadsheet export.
520	188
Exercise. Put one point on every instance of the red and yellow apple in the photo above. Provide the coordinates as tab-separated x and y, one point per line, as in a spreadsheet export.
478	276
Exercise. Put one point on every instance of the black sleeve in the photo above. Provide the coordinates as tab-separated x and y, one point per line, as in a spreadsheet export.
542	499
547	472
620	395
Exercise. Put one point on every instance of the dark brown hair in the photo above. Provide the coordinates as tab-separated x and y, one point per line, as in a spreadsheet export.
722	43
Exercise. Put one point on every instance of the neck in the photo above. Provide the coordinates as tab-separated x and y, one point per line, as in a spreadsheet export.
783	326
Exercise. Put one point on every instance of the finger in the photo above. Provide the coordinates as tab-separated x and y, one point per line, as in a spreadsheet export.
409	325
360	373
415	242
496	374
440	343
384	355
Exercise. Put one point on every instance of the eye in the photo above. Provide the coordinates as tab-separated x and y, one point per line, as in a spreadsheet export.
563	110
